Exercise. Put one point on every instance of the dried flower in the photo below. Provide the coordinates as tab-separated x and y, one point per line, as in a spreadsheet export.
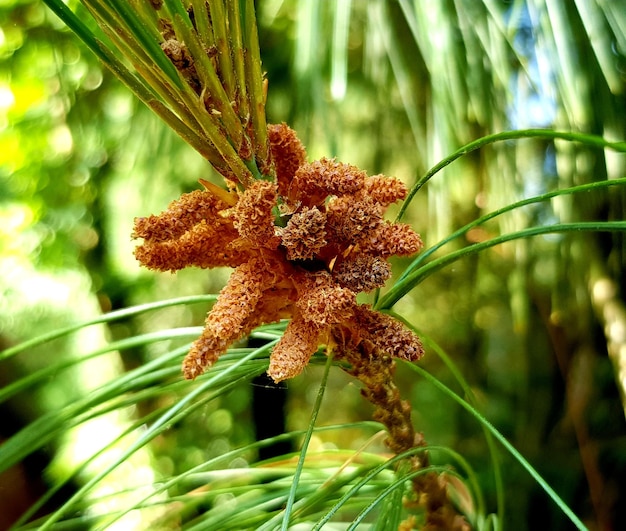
253	215
334	244
305	233
385	190
295	348
314	182
363	272
287	152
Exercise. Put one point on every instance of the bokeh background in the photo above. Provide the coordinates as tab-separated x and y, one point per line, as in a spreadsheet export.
536	326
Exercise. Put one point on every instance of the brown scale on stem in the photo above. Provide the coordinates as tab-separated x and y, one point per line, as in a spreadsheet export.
183	61
376	374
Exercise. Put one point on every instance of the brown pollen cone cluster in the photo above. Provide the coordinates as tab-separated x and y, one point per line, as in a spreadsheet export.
302	248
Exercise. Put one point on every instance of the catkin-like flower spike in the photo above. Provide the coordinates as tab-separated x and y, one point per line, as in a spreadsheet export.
238	299
271	307
322	301
292	353
253	215
204	352
315	181
362	272
240	308
204	245
382	335
351	218
180	216
287	152
304	235
392	239
385	190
